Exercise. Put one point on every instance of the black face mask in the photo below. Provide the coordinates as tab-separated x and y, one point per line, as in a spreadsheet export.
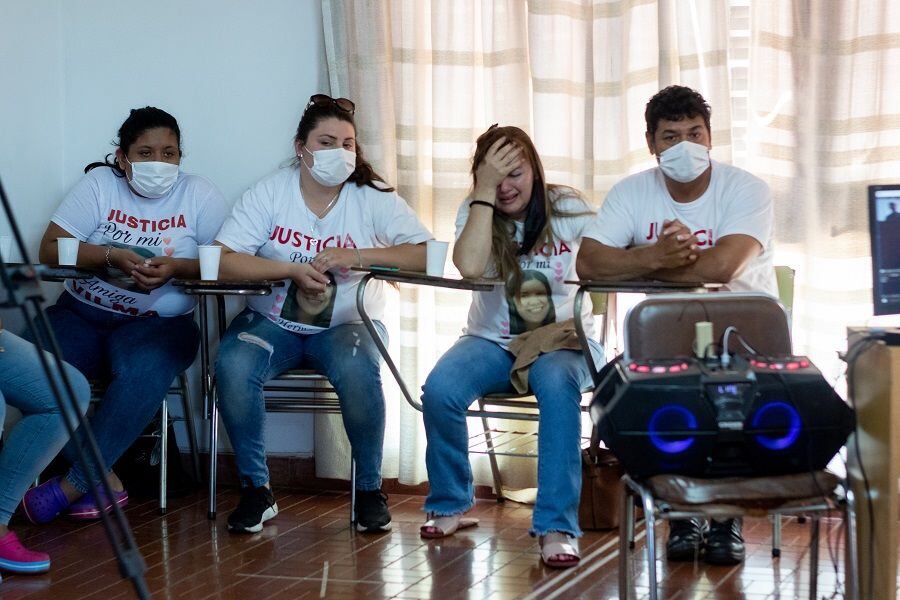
535	221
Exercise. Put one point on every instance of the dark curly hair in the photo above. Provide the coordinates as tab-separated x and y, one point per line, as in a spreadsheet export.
675	103
139	120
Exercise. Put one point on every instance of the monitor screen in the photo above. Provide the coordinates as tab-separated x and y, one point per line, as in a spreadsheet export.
884	230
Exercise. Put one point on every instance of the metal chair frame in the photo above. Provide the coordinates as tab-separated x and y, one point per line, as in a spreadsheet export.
652	509
522	444
284	393
813	509
179	388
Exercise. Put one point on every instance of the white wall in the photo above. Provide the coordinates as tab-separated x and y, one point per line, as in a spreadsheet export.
31	109
235	74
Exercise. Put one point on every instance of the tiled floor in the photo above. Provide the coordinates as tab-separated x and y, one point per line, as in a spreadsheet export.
309	551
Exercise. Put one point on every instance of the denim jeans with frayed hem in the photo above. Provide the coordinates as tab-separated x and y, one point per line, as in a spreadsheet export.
254	350
34	440
474	367
138	356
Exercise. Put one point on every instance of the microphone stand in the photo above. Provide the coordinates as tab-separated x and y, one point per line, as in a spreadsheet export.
29	300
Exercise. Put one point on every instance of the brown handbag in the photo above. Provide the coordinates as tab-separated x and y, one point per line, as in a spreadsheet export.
601	488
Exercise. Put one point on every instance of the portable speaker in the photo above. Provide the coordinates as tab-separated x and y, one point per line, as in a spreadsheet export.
763	416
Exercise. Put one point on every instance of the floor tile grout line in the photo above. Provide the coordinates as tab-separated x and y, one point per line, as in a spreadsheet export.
304	523
280	534
297	578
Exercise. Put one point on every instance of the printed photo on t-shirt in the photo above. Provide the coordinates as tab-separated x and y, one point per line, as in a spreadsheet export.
123	280
533	307
310	309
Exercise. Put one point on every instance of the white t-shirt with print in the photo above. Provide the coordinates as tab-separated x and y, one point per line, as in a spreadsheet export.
736	202
272	221
102	209
545	297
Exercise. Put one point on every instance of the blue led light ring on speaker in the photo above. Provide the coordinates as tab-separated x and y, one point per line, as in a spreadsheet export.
780	416
667	421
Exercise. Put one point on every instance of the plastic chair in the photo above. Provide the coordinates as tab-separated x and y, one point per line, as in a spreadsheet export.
784	275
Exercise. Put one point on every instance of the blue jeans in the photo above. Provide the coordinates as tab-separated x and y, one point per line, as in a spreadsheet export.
474	367
255	350
139	356
38	436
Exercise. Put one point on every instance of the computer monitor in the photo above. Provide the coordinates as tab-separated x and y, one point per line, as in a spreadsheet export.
884	231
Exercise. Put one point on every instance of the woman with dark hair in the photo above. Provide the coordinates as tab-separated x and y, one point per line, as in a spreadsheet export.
533	306
139	220
315	220
516	227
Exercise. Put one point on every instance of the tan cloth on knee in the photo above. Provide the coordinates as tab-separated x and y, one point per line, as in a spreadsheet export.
528	346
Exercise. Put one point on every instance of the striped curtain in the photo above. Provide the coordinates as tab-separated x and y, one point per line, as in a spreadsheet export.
428	76
823	123
594	66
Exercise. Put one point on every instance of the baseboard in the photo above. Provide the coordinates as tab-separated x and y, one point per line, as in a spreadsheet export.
299	473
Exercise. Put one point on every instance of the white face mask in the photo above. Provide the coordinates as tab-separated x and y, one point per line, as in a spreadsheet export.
331	167
685	161
152	179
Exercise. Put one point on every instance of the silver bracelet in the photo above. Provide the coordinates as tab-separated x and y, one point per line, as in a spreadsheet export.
108	262
359	257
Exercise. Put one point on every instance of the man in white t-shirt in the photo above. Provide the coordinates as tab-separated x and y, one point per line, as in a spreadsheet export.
688	219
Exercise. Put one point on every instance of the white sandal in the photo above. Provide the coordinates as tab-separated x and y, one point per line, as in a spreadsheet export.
438	527
559	550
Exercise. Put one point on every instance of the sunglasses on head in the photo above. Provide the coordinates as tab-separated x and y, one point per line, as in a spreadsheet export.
325	101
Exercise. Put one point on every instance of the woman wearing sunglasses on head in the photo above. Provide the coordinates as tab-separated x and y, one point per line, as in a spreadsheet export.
516	227
310	224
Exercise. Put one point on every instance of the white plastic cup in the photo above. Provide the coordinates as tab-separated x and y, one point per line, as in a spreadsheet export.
6	247
703	338
209	262
436	256
68	250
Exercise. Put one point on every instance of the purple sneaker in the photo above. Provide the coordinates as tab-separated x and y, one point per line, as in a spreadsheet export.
88	509
43	503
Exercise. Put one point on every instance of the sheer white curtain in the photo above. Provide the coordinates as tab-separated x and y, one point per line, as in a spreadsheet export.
823	123
428	76
595	64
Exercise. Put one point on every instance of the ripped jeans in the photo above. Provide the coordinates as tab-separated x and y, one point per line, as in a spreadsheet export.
254	350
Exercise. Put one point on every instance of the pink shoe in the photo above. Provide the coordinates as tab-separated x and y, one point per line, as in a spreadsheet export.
88	509
16	558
